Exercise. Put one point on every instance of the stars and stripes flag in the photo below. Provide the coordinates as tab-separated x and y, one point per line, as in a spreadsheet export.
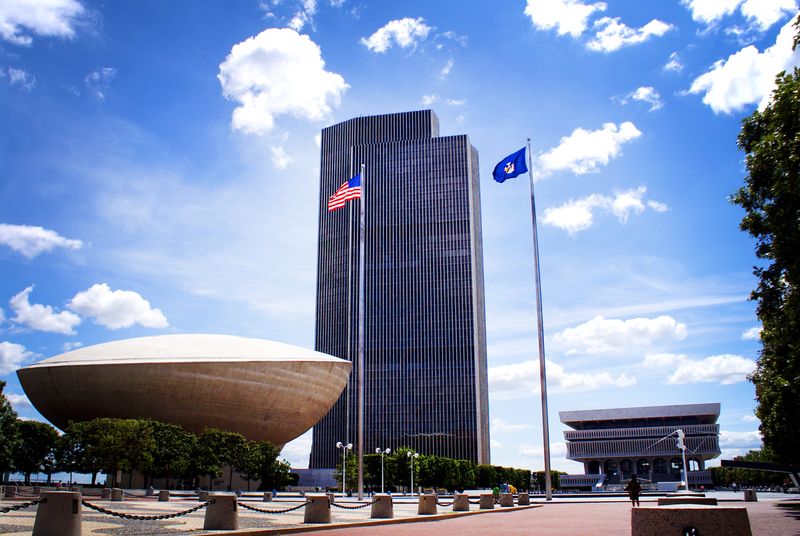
347	191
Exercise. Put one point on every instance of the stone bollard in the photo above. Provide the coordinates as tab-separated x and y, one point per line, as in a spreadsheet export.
460	502
106	493
11	491
382	507
222	513
318	509
163	495
202	496
523	499
750	495
691	519
427	505
267	496
37	490
150	491
506	499
487	501
59	514
117	495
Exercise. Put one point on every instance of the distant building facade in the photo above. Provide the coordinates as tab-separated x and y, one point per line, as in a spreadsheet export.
614	444
425	333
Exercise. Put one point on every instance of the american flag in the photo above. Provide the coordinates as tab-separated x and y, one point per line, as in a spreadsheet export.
347	191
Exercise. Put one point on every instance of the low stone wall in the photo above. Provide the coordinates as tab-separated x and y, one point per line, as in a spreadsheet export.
660	521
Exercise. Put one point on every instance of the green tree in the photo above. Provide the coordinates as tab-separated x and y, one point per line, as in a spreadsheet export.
485	477
8	432
351	476
35	448
172	450
214	449
81	447
771	200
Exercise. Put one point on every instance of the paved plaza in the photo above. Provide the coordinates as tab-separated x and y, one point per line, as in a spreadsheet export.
772	515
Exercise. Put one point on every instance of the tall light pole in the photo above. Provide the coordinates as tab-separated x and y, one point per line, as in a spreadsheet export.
345	448
413	456
382	452
681	444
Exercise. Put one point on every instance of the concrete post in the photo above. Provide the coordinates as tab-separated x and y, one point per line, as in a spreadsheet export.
506	499
460	502
117	495
106	493
222	513
163	495
37	490
267	496
487	501
318	509
202	496
750	495
60	514
427	505
11	491
523	499
382	507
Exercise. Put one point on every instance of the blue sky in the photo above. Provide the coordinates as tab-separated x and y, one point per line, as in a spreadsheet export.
159	173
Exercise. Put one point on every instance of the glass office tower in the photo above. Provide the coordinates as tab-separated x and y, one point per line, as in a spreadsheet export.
425	379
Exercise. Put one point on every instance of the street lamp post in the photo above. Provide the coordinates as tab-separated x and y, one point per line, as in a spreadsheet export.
345	448
413	456
382	452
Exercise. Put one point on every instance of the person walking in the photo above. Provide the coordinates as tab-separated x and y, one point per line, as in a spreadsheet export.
634	488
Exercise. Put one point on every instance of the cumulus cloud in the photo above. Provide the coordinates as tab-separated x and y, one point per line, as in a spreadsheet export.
725	369
502	427
20	78
30	240
708	11
748	76
98	81
578	214
427	100
41	317
674	63
584	150
298	450
752	334
18	401
305	15
278	72
69	346
456	102
50	18
405	33
279	157
557	450
600	335
730	439
116	309
761	14
13	356
523	378
613	35
565	16
646	94
448	67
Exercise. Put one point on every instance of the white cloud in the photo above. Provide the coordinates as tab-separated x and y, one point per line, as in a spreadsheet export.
747	76
427	100
584	150
278	72
725	369
20	77
2	316
729	439
456	102
304	15
709	11
674	63
41	17
523	378
69	346
18	401
557	450
577	214
100	76
279	157
448	67
495	444
405	33
645	94
600	335
297	451
41	317
565	16
30	240
664	360
612	34
750	418
500	426
761	14
752	334
13	356
116	309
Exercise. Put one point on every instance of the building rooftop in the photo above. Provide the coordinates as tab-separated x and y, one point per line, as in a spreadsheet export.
590	418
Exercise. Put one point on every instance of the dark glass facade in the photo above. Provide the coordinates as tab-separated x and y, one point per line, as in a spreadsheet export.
425	373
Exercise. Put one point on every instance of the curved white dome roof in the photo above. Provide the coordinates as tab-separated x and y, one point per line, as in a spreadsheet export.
185	348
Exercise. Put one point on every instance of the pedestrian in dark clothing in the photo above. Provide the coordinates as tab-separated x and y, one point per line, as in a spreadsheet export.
634	488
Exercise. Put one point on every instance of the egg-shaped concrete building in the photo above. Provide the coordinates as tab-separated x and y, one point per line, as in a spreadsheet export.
262	389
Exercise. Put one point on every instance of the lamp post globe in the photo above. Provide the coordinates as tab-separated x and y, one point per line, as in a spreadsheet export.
345	448
382	453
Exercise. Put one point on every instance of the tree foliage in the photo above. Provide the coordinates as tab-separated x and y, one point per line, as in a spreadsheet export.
8	432
771	200
35	449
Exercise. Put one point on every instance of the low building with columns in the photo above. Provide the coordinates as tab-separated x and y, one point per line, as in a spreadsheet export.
614	444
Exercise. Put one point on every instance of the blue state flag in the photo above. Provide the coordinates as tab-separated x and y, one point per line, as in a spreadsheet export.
510	166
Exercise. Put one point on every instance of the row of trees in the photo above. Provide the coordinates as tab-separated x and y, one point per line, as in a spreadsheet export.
434	472
156	449
727	476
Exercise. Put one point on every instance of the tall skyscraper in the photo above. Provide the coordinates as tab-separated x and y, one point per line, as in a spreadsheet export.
425	379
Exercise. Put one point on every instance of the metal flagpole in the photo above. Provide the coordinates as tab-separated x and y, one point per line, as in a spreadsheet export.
361	341
542	375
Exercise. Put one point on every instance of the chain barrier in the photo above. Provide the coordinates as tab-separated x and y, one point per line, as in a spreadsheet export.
21	506
284	511
145	518
474	502
343	507
444	505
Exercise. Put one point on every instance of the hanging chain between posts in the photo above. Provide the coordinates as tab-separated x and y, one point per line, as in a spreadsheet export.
474	502
144	518
444	504
21	506
284	511
343	507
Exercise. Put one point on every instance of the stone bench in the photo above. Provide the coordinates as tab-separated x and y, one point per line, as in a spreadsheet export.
666	501
706	520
